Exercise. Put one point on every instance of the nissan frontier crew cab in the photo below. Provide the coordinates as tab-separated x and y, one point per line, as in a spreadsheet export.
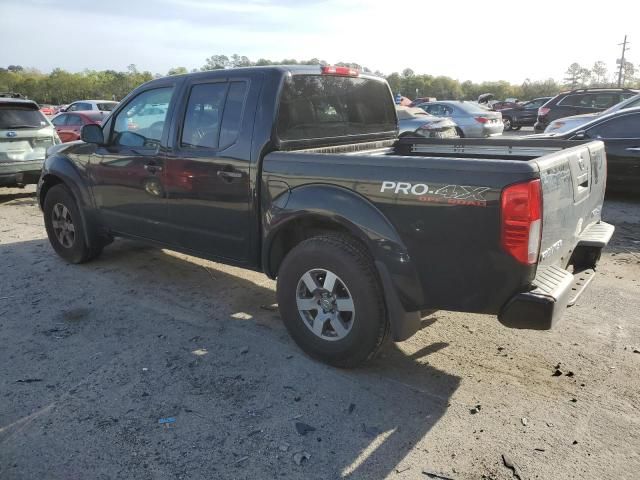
297	171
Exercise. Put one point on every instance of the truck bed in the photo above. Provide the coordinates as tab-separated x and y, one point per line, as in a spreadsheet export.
444	201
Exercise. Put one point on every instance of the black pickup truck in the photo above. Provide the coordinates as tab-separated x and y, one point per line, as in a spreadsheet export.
298	172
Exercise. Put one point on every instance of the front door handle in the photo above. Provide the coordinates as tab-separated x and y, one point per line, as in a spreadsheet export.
152	168
229	175
633	149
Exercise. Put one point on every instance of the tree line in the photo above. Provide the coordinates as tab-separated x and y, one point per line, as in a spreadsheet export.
61	86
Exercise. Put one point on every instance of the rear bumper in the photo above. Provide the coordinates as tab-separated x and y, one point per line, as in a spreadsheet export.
543	307
20	173
555	288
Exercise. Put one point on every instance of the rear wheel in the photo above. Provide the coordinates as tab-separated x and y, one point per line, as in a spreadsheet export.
65	228
331	300
518	127
460	132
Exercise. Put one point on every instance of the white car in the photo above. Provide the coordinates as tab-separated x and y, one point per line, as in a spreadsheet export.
97	105
25	136
565	124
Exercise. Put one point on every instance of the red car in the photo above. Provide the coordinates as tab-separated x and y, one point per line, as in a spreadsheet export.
68	125
47	110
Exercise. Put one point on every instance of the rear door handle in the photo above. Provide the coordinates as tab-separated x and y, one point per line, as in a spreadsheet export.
152	168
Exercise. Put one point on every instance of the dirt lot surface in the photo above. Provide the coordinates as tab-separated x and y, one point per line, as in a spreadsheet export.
94	357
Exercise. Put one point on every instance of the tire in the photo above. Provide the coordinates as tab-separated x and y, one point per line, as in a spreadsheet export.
460	132
65	227
507	123
516	128
354	304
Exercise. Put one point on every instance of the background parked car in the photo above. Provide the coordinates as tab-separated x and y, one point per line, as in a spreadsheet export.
521	114
578	102
502	105
68	125
420	100
620	132
471	119
84	105
417	122
569	123
25	135
47	110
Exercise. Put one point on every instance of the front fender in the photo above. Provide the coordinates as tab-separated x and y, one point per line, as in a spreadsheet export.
60	168
362	219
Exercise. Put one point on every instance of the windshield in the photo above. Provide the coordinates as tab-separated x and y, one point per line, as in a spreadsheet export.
106	106
13	117
324	106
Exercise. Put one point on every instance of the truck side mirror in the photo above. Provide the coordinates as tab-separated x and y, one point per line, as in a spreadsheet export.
92	133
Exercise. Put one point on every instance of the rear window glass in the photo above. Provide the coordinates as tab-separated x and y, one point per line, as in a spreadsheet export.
20	117
471	107
96	117
106	107
324	106
571	100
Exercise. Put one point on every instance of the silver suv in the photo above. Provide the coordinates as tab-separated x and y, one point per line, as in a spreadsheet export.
25	135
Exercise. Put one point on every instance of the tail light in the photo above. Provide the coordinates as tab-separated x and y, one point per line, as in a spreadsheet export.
482	119
522	221
542	111
343	71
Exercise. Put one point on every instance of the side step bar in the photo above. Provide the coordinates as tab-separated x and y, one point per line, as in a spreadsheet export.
596	235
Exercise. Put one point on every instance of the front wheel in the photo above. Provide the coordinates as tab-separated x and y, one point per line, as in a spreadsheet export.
516	128
331	300
506	121
65	228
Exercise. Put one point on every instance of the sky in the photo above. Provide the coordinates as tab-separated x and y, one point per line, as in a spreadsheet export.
466	40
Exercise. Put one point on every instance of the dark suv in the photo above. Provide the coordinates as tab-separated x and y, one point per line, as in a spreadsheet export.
577	102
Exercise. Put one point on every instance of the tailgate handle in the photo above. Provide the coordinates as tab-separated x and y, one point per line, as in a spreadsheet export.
583	180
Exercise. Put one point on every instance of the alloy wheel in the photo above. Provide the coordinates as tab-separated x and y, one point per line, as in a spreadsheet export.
325	304
63	227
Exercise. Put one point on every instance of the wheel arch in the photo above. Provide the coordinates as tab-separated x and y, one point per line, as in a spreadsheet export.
60	170
309	210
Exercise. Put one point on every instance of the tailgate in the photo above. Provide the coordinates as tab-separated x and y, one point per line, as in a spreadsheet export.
573	185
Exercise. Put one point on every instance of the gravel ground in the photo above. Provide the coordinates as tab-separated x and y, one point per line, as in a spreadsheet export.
95	356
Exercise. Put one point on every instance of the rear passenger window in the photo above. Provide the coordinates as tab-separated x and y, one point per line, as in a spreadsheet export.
74	120
213	116
439	110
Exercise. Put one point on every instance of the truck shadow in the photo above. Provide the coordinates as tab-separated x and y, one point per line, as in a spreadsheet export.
15	194
623	211
367	421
